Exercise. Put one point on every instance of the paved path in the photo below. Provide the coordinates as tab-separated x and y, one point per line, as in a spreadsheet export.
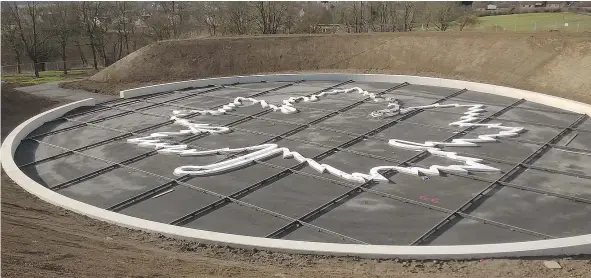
53	91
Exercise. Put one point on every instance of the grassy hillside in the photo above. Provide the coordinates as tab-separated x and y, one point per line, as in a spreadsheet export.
551	63
531	22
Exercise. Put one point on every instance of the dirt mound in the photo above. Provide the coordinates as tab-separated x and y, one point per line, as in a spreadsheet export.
551	63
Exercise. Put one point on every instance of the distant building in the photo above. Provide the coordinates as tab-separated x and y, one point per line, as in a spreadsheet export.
555	4
328	28
532	4
542	4
506	6
491	7
585	5
479	6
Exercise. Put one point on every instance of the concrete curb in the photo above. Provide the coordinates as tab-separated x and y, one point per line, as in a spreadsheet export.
562	246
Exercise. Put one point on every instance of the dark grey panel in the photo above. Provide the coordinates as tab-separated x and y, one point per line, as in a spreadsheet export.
233	181
555	182
29	151
542	213
468	231
581	140
295	195
390	222
567	161
235	219
178	202
64	169
448	192
111	188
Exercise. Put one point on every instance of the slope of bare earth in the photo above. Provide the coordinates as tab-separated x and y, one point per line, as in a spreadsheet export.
551	63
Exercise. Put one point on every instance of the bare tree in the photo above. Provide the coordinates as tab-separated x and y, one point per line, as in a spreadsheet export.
11	39
238	14
124	16
409	16
443	14
269	15
211	17
80	51
32	32
168	20
88	16
64	26
357	14
466	18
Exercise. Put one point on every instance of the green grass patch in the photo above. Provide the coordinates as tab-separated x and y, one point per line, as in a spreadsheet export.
531	22
29	78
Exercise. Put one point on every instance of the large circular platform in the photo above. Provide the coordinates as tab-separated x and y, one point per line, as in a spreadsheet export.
369	165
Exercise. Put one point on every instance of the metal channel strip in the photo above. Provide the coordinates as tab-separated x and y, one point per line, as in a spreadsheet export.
377	137
166	186
507	177
148	154
414	202
478	178
129	134
209	192
473	177
112	116
371	191
387	195
289	228
241	193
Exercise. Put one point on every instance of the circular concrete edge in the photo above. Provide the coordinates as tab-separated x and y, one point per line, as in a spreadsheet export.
553	247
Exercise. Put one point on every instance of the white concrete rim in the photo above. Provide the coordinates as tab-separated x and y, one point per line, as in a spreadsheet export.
561	246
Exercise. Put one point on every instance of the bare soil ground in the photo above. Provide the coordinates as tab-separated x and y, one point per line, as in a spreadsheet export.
42	240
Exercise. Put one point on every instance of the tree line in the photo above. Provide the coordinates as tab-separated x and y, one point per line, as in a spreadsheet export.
42	31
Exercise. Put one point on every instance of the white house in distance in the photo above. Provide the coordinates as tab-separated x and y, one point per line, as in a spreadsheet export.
514	5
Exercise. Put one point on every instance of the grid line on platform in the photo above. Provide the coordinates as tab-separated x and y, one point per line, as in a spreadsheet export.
209	192
399	198
287	122
129	112
435	110
294	225
566	196
378	137
556	146
507	177
191	216
374	156
108	117
150	153
465	215
434	96
381	193
287	229
167	186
